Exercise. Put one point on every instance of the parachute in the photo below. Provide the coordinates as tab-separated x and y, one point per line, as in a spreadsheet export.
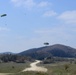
46	43
3	15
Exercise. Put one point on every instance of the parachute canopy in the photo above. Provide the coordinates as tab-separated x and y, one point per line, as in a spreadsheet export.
46	43
3	15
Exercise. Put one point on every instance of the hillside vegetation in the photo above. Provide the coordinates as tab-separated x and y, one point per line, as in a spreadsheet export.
56	50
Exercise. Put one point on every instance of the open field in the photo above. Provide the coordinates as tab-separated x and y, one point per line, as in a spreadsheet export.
60	68
30	73
53	69
12	67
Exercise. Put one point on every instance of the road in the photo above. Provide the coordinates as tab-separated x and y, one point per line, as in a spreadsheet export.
34	67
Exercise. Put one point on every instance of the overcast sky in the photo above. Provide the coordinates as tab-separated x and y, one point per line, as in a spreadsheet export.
30	23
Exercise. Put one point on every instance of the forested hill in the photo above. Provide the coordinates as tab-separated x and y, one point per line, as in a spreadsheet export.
53	50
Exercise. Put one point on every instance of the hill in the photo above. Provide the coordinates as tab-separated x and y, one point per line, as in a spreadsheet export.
56	50
7	53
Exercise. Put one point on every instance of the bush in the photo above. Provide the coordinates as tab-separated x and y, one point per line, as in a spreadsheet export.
66	66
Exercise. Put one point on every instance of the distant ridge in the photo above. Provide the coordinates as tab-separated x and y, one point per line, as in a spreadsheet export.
57	50
7	53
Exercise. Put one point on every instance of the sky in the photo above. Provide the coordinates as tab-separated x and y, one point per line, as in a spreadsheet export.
30	23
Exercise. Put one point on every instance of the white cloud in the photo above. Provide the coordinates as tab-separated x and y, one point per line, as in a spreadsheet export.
49	13
31	3
68	16
25	3
44	4
17	2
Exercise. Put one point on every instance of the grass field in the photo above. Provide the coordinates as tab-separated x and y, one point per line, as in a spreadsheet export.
53	69
30	73
59	69
12	67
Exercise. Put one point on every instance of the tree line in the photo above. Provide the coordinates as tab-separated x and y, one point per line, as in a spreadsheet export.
14	58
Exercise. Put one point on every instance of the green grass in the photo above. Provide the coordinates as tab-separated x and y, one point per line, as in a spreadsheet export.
59	69
12	67
53	69
30	73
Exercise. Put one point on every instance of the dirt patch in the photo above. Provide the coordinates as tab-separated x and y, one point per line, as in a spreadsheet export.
34	67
